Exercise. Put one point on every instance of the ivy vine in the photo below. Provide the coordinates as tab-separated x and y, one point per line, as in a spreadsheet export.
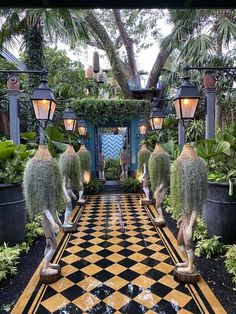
107	111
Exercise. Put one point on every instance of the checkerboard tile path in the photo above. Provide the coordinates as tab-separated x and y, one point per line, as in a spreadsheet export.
116	263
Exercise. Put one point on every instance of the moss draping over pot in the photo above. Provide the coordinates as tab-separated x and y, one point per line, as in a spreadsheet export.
159	167
42	184
69	164
85	163
143	158
188	181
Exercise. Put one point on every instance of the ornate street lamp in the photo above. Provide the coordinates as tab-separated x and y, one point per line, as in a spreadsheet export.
82	128
157	116
44	105
143	127
69	119
43	102
186	100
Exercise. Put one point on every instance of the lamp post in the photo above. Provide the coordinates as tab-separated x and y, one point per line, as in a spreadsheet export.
185	100
69	119
44	106
12	78
212	75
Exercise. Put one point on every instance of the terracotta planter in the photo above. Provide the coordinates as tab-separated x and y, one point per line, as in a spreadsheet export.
13	82
89	73
209	80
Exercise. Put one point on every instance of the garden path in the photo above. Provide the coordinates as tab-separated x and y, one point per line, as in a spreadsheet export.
117	262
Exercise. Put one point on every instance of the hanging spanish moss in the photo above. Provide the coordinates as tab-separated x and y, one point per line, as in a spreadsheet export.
85	162
69	164
188	181
143	158
42	183
159	167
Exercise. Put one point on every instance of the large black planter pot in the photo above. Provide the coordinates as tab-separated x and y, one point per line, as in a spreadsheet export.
220	211
12	213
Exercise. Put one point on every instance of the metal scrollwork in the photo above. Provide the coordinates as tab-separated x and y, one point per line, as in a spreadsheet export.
12	78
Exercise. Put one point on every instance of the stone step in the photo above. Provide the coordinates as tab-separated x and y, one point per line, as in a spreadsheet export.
112	187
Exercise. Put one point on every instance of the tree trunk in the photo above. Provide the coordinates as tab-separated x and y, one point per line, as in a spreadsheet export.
155	73
109	48
129	46
34	44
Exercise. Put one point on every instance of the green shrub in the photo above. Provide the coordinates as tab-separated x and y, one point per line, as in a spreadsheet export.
210	247
230	261
131	185
9	258
93	187
112	169
200	232
159	167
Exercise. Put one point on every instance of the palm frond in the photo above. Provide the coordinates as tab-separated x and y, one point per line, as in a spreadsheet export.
197	47
227	30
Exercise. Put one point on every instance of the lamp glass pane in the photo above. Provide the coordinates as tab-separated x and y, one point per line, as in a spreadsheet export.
53	107
82	130
177	108
157	123
41	108
189	106
142	129
69	124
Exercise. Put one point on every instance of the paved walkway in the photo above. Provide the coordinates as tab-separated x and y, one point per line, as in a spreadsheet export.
117	262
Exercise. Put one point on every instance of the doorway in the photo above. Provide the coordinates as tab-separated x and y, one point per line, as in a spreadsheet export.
110	141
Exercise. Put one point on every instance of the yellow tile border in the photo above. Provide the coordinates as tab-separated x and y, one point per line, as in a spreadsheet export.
203	286
26	294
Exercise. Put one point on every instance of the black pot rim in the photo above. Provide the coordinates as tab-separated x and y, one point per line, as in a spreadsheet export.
8	185
219	183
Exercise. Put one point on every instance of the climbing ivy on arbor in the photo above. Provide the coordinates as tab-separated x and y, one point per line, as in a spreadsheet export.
105	112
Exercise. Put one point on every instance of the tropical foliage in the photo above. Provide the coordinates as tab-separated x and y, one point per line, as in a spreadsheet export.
219	154
13	159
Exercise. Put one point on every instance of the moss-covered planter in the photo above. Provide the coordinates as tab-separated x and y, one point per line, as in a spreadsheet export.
12	213
220	211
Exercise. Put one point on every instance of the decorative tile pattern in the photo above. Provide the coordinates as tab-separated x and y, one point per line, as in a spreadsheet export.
111	270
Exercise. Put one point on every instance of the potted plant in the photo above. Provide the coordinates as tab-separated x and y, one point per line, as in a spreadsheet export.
130	185
220	208
12	203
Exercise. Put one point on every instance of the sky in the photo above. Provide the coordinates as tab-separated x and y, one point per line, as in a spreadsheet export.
145	58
